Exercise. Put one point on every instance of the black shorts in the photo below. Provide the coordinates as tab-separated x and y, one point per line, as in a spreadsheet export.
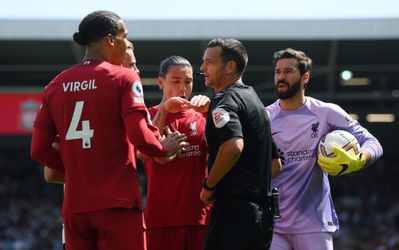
239	225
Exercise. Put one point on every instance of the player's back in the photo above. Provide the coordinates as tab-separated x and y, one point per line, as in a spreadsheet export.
87	103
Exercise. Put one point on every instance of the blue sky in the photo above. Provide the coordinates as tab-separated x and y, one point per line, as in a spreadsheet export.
204	9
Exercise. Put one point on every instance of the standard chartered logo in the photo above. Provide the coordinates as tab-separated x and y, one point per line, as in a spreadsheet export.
301	155
192	150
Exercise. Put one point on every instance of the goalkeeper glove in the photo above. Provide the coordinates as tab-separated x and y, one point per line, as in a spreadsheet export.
343	163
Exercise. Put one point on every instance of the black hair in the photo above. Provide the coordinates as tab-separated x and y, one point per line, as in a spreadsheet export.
304	62
232	50
172	61
95	26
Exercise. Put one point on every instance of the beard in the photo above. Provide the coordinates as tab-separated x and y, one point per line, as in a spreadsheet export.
290	92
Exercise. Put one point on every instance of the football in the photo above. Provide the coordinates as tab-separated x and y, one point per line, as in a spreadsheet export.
340	138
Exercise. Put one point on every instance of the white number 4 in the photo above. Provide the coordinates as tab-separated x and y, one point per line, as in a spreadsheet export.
86	133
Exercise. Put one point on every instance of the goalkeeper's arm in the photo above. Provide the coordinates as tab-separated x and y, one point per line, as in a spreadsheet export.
344	162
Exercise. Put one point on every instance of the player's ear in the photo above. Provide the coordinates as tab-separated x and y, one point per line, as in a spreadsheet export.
231	67
109	39
305	79
160	81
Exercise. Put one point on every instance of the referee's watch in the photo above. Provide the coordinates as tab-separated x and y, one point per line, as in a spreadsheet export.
206	187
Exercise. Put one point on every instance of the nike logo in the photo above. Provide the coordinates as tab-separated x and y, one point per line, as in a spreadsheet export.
276	132
344	168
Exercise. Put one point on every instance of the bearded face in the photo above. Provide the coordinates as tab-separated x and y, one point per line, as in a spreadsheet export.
289	91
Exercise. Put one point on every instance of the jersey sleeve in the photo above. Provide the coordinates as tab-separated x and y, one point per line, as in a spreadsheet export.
43	118
339	119
132	95
275	154
44	134
143	136
226	120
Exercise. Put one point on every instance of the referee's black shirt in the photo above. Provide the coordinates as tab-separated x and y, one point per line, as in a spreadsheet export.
238	112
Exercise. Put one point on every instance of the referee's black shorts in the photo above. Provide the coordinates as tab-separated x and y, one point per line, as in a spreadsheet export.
239	225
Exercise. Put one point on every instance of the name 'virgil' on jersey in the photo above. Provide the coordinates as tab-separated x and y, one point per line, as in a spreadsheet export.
79	86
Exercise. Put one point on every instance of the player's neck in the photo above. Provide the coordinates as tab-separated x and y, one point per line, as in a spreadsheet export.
94	53
293	103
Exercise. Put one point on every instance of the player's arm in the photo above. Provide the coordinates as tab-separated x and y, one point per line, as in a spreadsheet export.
159	122
227	156
42	150
53	176
161	160
345	162
160	118
276	167
276	163
144	139
172	105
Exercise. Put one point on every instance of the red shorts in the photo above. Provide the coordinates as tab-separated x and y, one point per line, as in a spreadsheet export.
176	238
116	229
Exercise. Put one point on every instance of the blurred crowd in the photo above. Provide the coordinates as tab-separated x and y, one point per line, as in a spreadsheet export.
29	208
366	202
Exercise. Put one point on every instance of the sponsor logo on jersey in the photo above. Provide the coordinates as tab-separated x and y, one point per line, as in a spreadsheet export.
295	156
220	117
315	130
192	150
281	155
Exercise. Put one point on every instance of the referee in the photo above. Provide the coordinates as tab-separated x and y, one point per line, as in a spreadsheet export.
240	154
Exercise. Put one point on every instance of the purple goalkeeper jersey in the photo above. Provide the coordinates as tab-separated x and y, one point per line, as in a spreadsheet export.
306	204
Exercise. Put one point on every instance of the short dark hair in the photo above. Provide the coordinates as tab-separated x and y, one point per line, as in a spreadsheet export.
172	61
304	62
95	26
232	50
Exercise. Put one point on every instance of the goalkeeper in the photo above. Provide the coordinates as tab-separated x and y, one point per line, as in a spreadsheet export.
298	122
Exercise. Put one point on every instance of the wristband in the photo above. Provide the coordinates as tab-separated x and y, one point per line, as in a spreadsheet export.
208	188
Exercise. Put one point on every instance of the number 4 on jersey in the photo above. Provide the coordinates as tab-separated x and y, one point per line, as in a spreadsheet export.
86	133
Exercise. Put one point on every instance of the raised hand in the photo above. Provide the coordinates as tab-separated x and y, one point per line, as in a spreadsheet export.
176	104
200	103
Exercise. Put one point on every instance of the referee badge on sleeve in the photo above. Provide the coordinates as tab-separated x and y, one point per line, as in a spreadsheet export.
220	117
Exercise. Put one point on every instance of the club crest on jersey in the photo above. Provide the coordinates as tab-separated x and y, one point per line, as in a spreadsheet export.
220	117
315	130
193	127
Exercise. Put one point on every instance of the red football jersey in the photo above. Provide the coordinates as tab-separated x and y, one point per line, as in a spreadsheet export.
173	193
85	105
